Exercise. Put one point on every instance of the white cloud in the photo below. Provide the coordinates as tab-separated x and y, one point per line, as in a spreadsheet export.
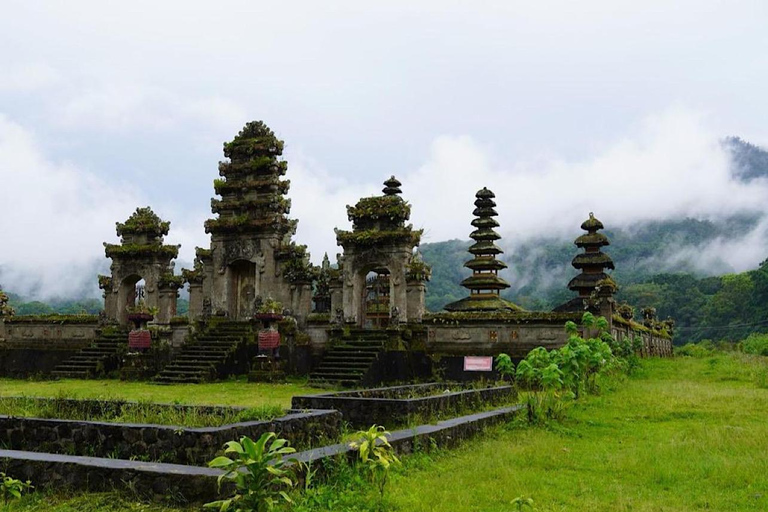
57	217
671	167
138	107
29	78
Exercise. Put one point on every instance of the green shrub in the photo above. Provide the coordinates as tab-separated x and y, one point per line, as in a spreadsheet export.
703	348
756	344
505	367
257	472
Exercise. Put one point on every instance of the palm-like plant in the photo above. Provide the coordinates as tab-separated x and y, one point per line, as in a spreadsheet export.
258	472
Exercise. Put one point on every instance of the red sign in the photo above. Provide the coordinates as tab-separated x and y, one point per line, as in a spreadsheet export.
269	340
139	339
478	364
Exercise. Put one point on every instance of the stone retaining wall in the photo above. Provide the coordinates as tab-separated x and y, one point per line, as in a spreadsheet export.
391	406
161	443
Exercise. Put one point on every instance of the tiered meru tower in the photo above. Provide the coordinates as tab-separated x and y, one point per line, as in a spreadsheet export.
594	286
252	257
484	284
592	262
141	254
381	243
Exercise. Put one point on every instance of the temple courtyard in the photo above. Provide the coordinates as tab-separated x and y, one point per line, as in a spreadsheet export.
680	434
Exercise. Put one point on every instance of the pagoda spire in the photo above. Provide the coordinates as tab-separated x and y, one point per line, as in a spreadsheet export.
592	262
484	284
392	187
251	187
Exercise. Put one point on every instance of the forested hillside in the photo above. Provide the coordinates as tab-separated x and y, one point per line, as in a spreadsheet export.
658	264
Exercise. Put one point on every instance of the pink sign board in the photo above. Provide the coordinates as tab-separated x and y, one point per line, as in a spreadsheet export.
478	364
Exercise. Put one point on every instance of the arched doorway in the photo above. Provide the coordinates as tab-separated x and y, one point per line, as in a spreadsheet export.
132	291
242	289
376	299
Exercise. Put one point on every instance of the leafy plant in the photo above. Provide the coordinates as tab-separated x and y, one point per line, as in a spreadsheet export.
377	456
505	367
11	488
521	503
258	473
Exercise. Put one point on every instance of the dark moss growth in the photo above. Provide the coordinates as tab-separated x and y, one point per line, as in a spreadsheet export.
143	221
105	282
270	184
5	308
168	280
141	250
418	270
53	319
371	238
179	320
294	263
500	316
391	209
490	303
319	318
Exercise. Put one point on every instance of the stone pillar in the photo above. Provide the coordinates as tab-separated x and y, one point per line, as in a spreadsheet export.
416	292
398	292
166	304
195	300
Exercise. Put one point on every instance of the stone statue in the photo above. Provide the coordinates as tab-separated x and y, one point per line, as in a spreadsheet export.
394	317
207	308
338	317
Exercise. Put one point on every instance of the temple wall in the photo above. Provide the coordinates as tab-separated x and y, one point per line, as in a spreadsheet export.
29	348
490	339
46	335
653	345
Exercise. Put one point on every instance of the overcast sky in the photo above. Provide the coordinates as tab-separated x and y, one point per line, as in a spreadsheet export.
561	107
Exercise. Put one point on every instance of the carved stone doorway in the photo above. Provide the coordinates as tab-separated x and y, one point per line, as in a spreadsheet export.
242	289
376	300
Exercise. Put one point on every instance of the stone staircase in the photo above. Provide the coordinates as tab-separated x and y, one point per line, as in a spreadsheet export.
93	360
347	364
204	358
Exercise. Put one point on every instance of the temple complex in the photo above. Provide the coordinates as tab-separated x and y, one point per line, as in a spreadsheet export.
257	305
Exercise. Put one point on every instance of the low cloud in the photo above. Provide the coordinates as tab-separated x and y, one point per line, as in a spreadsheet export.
672	166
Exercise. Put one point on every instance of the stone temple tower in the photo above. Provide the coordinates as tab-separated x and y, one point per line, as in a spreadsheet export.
252	257
484	284
592	262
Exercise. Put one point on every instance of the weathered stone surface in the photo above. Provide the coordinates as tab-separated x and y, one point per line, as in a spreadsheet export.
393	405
160	442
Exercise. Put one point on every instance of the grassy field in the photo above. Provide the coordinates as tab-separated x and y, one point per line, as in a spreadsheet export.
681	435
232	392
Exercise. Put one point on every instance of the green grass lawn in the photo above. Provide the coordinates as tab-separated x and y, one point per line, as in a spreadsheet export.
232	392
681	435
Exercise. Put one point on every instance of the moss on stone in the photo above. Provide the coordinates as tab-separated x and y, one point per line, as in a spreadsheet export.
372	237
140	250
143	221
53	319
